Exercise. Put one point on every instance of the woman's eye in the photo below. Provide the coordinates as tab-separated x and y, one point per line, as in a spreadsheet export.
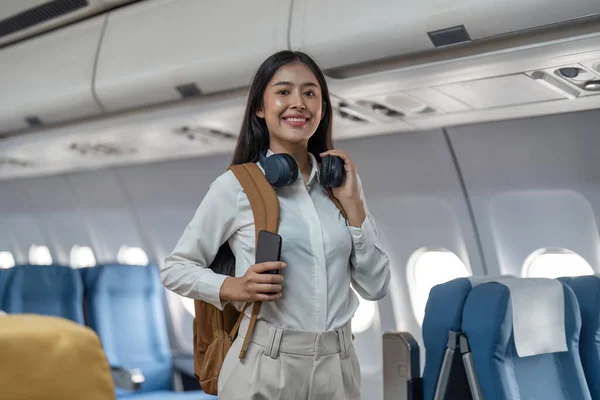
283	92
310	93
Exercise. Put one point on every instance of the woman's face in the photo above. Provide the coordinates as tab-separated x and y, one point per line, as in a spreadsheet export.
292	105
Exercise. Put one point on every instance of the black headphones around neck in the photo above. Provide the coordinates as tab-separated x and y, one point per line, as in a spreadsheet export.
282	170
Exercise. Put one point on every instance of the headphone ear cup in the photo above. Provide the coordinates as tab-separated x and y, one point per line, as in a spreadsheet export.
281	169
292	169
324	172
332	171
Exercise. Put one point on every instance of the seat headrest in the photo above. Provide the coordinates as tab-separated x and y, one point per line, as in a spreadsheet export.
537	310
52	358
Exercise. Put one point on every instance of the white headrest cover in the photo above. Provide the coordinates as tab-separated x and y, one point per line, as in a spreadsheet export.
538	313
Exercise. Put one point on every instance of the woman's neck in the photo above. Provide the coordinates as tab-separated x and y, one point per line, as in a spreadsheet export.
300	154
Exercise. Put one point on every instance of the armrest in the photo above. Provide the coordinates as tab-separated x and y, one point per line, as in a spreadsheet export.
401	367
128	379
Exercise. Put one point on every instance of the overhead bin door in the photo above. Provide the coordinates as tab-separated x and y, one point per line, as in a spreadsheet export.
339	32
20	19
163	50
49	78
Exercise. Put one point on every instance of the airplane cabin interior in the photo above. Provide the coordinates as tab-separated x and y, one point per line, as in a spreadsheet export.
475	129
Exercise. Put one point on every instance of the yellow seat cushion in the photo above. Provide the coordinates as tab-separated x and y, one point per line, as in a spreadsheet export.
51	358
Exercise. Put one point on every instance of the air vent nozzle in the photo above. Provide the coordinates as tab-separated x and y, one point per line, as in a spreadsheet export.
14	162
380	109
100	149
346	112
202	134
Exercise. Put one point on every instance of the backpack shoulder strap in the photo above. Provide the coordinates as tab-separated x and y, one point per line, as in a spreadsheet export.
262	196
265	208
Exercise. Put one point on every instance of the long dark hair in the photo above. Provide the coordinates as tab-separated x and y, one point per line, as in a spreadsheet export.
254	135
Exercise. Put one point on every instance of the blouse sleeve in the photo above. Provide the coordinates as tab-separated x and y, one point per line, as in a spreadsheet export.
370	264
185	270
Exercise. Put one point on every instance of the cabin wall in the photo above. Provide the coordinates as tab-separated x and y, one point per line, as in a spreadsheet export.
533	183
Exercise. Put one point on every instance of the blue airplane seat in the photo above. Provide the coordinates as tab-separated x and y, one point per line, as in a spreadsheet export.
501	373
52	290
124	305
587	290
443	313
4	274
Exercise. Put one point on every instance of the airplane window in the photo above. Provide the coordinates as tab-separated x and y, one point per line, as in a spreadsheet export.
6	260
132	256
363	316
39	255
555	263
428	268
82	257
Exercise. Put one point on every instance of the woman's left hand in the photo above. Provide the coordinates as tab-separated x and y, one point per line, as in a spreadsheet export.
349	190
348	193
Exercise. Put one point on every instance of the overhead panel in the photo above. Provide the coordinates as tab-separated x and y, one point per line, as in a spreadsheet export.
438	100
499	91
163	50
48	79
339	33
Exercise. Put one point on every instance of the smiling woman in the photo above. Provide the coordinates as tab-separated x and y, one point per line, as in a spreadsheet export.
330	253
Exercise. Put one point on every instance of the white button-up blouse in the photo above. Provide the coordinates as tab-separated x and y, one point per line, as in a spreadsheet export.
324	255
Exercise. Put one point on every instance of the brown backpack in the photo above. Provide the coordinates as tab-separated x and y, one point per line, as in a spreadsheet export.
215	330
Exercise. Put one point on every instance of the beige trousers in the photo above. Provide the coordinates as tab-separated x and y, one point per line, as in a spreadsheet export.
291	365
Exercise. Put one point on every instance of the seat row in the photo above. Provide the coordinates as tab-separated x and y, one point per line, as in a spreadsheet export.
123	304
512	338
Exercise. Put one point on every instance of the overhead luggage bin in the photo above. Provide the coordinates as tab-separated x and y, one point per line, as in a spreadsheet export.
162	50
49	78
21	19
340	33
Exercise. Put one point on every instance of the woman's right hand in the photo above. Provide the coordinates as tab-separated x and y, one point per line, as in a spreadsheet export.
255	285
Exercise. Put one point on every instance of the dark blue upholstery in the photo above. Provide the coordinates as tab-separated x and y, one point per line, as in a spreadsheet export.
4	274
587	290
443	313
43	289
124	305
502	374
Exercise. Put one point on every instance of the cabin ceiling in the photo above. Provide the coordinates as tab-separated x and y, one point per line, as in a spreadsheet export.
380	98
488	87
480	89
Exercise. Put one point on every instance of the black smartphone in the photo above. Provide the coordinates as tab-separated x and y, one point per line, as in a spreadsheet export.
268	248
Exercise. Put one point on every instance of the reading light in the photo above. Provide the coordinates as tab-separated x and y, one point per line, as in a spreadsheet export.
592	86
555	85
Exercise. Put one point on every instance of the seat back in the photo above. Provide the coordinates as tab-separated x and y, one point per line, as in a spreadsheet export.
488	324
4	274
587	290
443	313
52	290
50	358
124	305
